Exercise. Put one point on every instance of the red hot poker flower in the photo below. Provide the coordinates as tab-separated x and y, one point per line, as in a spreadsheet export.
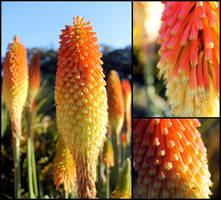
64	167
170	158
81	101
15	82
115	102
34	78
189	38
126	89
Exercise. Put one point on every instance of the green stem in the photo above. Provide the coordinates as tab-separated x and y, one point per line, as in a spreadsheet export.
107	183
41	192
123	152
34	170
17	185
30	181
128	145
29	156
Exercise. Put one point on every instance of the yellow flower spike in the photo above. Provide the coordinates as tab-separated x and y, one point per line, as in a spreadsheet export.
81	101
190	63
115	102
108	154
14	91
15	82
64	167
123	188
115	115
34	78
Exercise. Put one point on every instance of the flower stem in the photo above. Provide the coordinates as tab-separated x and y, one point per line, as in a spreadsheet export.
34	169
128	145
30	181
29	157
107	183
17	185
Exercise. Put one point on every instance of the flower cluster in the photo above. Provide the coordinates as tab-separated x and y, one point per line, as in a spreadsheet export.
115	102
64	168
189	38
170	158
34	79
126	89
81	101
15	82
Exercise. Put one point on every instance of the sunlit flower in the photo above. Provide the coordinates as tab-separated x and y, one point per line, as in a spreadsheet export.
64	171
127	104
189	38
123	188
15	82
115	115
81	101
115	102
34	78
170	158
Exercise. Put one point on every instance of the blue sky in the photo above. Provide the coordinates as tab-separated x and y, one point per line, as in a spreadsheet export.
39	24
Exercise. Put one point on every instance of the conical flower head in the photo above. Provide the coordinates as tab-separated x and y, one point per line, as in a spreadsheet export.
34	78
170	158
64	171
126	94
115	102
81	101
123	188
127	104
190	63
108	154
15	81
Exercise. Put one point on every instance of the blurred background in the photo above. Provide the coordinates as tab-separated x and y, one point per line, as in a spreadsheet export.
210	133
39	25
149	98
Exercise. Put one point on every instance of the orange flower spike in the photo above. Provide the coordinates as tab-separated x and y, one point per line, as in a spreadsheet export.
189	38
34	78
115	102
64	167
127	104
81	101
15	82
170	159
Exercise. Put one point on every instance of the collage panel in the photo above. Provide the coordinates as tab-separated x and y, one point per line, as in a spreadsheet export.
66	100
176	70
176	158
